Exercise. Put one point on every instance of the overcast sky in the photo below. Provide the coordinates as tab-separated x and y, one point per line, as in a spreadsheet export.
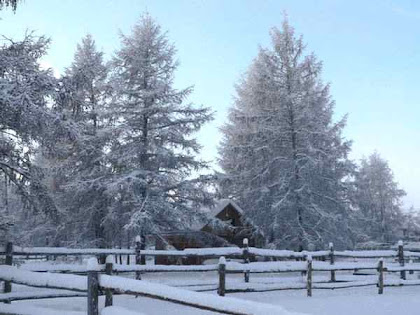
370	50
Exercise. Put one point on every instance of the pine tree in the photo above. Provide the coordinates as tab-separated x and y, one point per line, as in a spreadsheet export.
153	157
283	157
80	164
9	3
377	200
26	120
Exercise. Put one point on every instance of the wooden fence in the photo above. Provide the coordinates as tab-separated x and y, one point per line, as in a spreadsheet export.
309	267
246	253
92	284
303	262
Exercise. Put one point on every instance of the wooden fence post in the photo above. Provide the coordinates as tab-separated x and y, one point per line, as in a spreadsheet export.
47	243
222	276
102	259
138	256
411	271
9	262
93	287
309	275
108	271
143	247
381	276
245	254
401	258
331	246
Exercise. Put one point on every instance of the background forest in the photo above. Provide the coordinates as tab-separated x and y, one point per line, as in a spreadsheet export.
109	149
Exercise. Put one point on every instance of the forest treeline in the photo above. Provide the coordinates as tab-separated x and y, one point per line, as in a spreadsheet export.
109	149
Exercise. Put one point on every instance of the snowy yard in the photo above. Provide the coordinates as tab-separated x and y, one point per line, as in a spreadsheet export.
360	301
255	194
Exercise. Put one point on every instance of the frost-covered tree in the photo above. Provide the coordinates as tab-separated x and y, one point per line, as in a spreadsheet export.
79	165
25	119
284	158
9	3
153	156
28	125
377	200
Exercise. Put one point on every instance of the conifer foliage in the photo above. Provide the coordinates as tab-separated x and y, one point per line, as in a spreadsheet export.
283	155
377	200
78	165
154	155
109	149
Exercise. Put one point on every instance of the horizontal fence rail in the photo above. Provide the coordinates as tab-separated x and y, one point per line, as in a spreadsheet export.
52	276
130	286
60	251
185	297
44	280
69	268
20	296
23	309
203	252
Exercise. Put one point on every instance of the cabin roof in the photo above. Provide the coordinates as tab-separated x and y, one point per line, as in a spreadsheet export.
212	212
219	206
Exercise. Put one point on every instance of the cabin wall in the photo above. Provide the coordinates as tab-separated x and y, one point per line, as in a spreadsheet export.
234	236
241	231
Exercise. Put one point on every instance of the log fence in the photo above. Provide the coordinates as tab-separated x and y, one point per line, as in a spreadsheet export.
307	262
309	267
92	285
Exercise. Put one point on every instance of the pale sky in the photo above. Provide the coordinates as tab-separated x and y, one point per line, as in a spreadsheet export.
370	51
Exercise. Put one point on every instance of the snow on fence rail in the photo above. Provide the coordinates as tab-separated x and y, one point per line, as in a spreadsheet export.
308	268
79	285
212	252
33	310
60	251
200	252
19	296
72	268
285	253
44	280
199	300
94	282
246	268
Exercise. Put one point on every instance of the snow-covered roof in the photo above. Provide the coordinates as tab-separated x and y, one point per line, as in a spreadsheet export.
219	206
212	212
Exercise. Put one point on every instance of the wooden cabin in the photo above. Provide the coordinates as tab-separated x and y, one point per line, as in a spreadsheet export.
224	225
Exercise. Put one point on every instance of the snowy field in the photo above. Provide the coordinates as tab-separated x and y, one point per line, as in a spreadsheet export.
355	301
360	301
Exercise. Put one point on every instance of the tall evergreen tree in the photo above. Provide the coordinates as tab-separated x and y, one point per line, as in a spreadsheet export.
9	3
377	201
153	157
80	165
25	119
27	123
282	155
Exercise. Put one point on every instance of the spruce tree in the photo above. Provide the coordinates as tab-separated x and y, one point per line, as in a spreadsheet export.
377	201
284	158
79	165
153	156
26	120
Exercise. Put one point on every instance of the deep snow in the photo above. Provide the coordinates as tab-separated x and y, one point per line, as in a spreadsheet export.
349	301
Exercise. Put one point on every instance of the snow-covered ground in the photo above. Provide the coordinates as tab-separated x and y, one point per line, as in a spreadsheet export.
357	301
353	301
